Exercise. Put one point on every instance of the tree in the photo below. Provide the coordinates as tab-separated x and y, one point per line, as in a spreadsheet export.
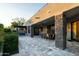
1	31
18	21
1	27
14	24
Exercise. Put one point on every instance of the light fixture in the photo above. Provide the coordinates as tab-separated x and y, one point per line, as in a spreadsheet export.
48	11
37	17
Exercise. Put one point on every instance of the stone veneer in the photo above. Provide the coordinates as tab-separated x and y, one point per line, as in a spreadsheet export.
32	31
60	31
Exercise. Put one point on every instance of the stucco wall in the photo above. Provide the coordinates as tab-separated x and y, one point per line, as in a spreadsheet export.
44	29
68	31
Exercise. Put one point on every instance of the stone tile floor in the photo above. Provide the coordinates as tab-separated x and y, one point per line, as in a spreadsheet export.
73	47
38	46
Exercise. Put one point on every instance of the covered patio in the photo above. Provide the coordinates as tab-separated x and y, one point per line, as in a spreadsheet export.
45	29
22	30
61	23
38	46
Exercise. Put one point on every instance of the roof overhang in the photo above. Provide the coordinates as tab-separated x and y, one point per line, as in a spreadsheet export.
72	14
46	22
52	9
21	26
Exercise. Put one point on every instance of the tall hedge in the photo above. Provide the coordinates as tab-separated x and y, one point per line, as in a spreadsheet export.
1	41
8	41
10	44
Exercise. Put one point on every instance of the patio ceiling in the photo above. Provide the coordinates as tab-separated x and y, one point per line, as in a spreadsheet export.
46	22
21	26
72	14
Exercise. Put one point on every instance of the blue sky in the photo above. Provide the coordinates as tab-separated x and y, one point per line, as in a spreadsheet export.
9	11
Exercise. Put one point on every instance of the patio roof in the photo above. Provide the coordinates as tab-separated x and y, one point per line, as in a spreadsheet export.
52	9
21	26
72	14
46	22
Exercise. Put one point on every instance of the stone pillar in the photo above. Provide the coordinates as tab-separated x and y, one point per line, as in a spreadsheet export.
17	29
60	31
27	30
32	31
72	31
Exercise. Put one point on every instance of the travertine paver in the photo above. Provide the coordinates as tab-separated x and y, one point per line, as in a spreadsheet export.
38	46
73	47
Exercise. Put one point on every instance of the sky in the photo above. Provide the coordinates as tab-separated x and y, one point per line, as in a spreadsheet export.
8	11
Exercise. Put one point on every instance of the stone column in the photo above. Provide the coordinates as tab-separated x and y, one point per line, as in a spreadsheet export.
60	31
72	31
32	31
27	30
17	29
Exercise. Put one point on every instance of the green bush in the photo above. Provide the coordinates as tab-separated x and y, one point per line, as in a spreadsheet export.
10	43
1	40
7	30
1	46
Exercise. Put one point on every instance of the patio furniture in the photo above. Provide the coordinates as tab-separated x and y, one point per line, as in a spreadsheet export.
47	35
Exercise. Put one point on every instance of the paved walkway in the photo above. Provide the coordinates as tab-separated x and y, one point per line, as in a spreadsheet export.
39	47
73	47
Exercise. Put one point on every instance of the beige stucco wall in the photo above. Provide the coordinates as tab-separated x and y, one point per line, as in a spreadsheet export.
45	29
52	9
68	31
75	31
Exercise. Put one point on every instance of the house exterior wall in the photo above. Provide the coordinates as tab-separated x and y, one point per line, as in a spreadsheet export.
77	30
28	25
45	29
60	21
74	28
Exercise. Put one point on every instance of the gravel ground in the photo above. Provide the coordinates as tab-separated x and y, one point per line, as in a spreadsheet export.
38	46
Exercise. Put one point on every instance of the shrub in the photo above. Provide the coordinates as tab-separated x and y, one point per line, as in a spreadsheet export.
0	46
1	26
10	43
1	40
7	30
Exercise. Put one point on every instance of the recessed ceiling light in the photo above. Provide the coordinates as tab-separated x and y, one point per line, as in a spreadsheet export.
48	11
37	17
